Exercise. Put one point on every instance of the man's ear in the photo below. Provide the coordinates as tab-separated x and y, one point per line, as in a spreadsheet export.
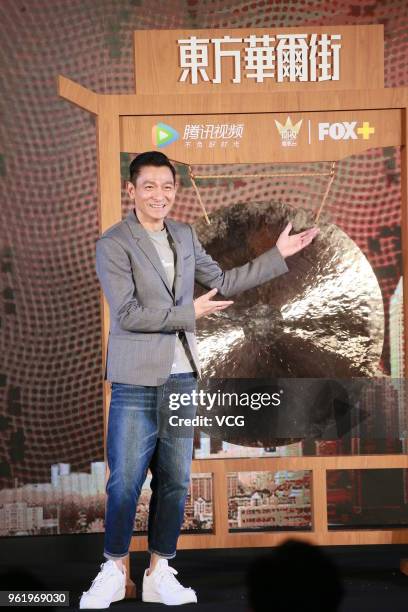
176	185
130	188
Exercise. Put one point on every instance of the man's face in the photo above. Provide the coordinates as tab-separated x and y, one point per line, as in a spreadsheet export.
154	194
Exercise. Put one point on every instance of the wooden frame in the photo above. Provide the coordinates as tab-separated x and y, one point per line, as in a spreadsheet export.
109	109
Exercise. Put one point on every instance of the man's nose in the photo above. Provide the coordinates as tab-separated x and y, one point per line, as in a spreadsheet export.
158	193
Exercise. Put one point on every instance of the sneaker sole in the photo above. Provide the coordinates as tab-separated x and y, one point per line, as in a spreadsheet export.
120	594
154	598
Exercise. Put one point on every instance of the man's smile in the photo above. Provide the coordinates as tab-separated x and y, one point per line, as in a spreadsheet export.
157	205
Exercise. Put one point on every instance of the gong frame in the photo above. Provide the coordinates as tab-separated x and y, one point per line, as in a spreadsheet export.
109	110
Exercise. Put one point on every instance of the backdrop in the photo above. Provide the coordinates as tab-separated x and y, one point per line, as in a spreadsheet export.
50	374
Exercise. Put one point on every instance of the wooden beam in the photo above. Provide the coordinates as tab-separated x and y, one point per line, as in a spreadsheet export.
192	104
345	462
75	93
346	537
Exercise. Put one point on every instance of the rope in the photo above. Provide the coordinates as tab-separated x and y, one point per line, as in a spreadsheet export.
194	177
329	184
270	175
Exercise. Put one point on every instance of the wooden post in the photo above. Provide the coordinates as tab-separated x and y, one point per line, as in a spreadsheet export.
319	500
404	243
109	188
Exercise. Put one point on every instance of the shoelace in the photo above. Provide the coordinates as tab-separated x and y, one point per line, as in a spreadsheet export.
96	582
168	575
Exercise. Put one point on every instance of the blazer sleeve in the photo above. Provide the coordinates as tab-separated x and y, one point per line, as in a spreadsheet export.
264	268
115	275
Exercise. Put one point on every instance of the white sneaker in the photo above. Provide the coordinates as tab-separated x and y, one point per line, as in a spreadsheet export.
161	586
108	586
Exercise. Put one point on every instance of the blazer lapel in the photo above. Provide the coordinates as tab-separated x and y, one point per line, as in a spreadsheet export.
178	271
147	247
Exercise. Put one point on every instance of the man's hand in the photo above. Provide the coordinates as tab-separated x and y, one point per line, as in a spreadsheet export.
289	245
204	305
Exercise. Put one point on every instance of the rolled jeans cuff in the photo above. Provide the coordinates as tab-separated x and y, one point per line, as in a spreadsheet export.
114	557
156	552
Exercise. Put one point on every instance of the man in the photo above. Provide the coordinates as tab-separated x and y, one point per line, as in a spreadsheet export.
147	265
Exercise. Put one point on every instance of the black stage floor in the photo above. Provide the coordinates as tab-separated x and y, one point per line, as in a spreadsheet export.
370	573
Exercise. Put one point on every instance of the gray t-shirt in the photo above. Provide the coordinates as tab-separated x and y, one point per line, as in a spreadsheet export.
161	242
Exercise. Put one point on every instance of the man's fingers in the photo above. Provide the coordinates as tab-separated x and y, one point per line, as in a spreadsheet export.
215	306
220	303
306	241
288	229
312	234
313	231
218	306
210	293
306	237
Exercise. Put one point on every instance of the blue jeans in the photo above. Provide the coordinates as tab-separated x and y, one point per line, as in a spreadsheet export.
136	442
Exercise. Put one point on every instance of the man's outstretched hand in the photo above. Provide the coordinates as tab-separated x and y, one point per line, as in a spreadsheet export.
205	305
289	245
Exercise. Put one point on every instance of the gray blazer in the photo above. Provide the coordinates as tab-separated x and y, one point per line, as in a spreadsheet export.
145	314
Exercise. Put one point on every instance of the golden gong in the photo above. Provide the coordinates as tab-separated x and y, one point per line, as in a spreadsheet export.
323	319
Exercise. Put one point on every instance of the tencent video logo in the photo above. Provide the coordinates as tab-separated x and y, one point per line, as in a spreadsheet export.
163	135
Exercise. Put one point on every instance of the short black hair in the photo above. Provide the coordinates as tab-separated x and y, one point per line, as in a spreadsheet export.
149	158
